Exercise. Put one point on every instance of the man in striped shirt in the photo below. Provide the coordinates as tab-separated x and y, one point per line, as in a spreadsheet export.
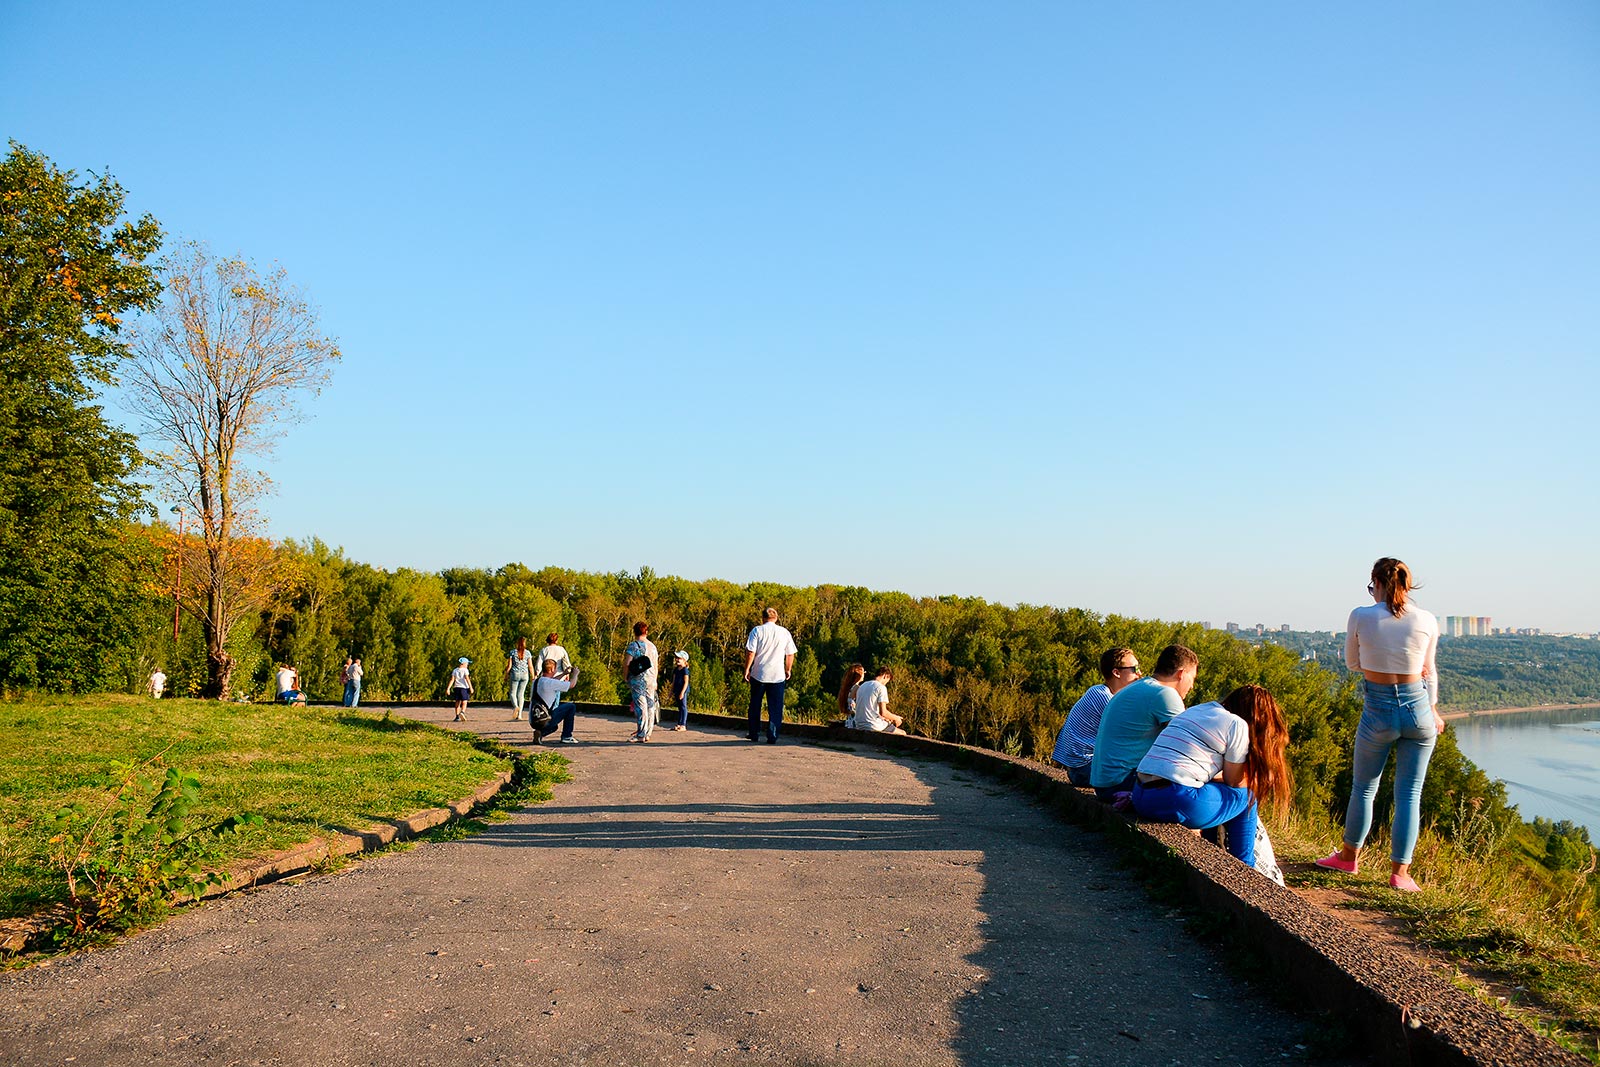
1075	743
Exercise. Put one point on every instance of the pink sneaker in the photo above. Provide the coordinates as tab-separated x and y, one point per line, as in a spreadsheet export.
1337	862
1404	883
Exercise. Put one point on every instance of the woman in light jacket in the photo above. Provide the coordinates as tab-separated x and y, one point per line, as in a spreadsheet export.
1392	643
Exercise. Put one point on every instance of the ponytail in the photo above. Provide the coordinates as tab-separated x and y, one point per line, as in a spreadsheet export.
1394	577
1265	773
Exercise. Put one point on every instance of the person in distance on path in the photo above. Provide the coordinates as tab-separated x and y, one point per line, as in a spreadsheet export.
854	675
547	690
768	662
1119	668
640	661
1132	719
552	650
352	683
461	687
158	683
519	673
872	704
680	687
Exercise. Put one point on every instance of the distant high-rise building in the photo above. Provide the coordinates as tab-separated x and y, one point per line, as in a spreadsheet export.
1284	628
1483	625
1205	626
1260	629
1233	627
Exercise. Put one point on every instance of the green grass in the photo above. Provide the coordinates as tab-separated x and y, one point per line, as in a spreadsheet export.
1498	914
305	771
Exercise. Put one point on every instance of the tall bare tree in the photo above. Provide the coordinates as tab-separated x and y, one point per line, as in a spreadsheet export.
218	371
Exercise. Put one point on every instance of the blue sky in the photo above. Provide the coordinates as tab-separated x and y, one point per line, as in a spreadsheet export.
1171	310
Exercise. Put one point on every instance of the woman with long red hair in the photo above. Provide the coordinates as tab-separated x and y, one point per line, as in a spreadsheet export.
1214	765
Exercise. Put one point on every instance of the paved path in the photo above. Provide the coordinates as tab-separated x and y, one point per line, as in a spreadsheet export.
696	900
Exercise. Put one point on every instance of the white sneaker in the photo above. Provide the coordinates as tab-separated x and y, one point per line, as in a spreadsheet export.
569	740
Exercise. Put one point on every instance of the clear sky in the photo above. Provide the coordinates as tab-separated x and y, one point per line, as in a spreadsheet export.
1172	310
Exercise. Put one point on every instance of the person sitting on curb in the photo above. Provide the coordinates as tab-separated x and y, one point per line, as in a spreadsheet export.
872	705
1134	717
547	690
1119	668
289	686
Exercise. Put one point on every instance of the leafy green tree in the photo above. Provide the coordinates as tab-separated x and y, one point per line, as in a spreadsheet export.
69	273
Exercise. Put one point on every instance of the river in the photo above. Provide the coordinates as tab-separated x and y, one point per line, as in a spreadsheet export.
1549	760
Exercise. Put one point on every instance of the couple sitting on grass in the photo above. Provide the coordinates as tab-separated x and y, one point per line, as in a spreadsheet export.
1210	766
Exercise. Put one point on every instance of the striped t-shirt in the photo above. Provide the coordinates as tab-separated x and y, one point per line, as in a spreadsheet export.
1075	742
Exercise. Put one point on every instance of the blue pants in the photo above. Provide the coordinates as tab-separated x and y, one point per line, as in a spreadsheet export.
1212	804
519	692
563	715
1078	776
352	694
774	692
1399	717
683	709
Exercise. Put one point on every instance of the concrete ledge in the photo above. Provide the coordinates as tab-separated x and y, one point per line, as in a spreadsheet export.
1403	1014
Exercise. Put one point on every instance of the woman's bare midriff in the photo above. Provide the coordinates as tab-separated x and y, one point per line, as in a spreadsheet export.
1384	678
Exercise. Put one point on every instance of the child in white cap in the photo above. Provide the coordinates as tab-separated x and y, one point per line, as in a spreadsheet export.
461	687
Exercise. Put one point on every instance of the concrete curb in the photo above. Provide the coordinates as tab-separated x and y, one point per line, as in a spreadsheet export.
1403	1014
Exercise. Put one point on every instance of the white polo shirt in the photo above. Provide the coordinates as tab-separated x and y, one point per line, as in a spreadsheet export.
770	643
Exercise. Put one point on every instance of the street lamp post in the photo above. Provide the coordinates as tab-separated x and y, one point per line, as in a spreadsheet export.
178	588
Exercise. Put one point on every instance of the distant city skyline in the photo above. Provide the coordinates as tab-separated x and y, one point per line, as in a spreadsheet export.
1160	312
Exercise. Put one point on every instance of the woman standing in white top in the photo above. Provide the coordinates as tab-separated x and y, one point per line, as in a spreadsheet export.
1392	643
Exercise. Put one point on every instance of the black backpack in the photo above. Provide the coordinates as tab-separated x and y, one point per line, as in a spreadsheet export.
639	665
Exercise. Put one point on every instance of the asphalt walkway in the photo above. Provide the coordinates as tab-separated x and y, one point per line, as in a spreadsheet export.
699	899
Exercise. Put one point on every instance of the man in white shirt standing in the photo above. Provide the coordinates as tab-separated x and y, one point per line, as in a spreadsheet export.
768	663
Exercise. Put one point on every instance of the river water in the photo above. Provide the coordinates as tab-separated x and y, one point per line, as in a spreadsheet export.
1549	760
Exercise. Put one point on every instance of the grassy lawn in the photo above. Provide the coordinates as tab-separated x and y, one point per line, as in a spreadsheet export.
303	770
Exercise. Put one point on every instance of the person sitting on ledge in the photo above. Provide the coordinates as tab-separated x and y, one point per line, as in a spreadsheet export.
1213	764
1119	668
853	676
1135	716
872	705
289	686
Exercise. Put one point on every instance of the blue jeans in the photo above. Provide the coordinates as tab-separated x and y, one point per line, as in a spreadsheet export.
563	715
1212	804
1394	716
1078	776
774	692
519	692
352	694
683	709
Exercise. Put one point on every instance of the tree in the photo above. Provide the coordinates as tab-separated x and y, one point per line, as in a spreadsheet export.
217	371
69	273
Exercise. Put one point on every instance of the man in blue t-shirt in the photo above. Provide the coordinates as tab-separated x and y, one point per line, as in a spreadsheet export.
1119	668
1133	718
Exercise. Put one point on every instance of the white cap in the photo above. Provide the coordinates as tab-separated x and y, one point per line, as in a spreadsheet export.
680	654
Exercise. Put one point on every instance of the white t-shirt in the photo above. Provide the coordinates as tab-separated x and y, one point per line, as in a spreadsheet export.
871	698
770	643
354	673
555	652
1376	640
285	680
158	683
550	689
1191	749
461	678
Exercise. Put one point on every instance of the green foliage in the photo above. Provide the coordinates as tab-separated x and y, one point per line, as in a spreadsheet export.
125	857
69	272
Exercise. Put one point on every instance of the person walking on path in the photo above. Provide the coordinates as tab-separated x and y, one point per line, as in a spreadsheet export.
1239	741
352	682
768	663
461	687
680	687
158	683
1134	717
547	690
1392	643
1119	668
519	672
552	650
640	662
